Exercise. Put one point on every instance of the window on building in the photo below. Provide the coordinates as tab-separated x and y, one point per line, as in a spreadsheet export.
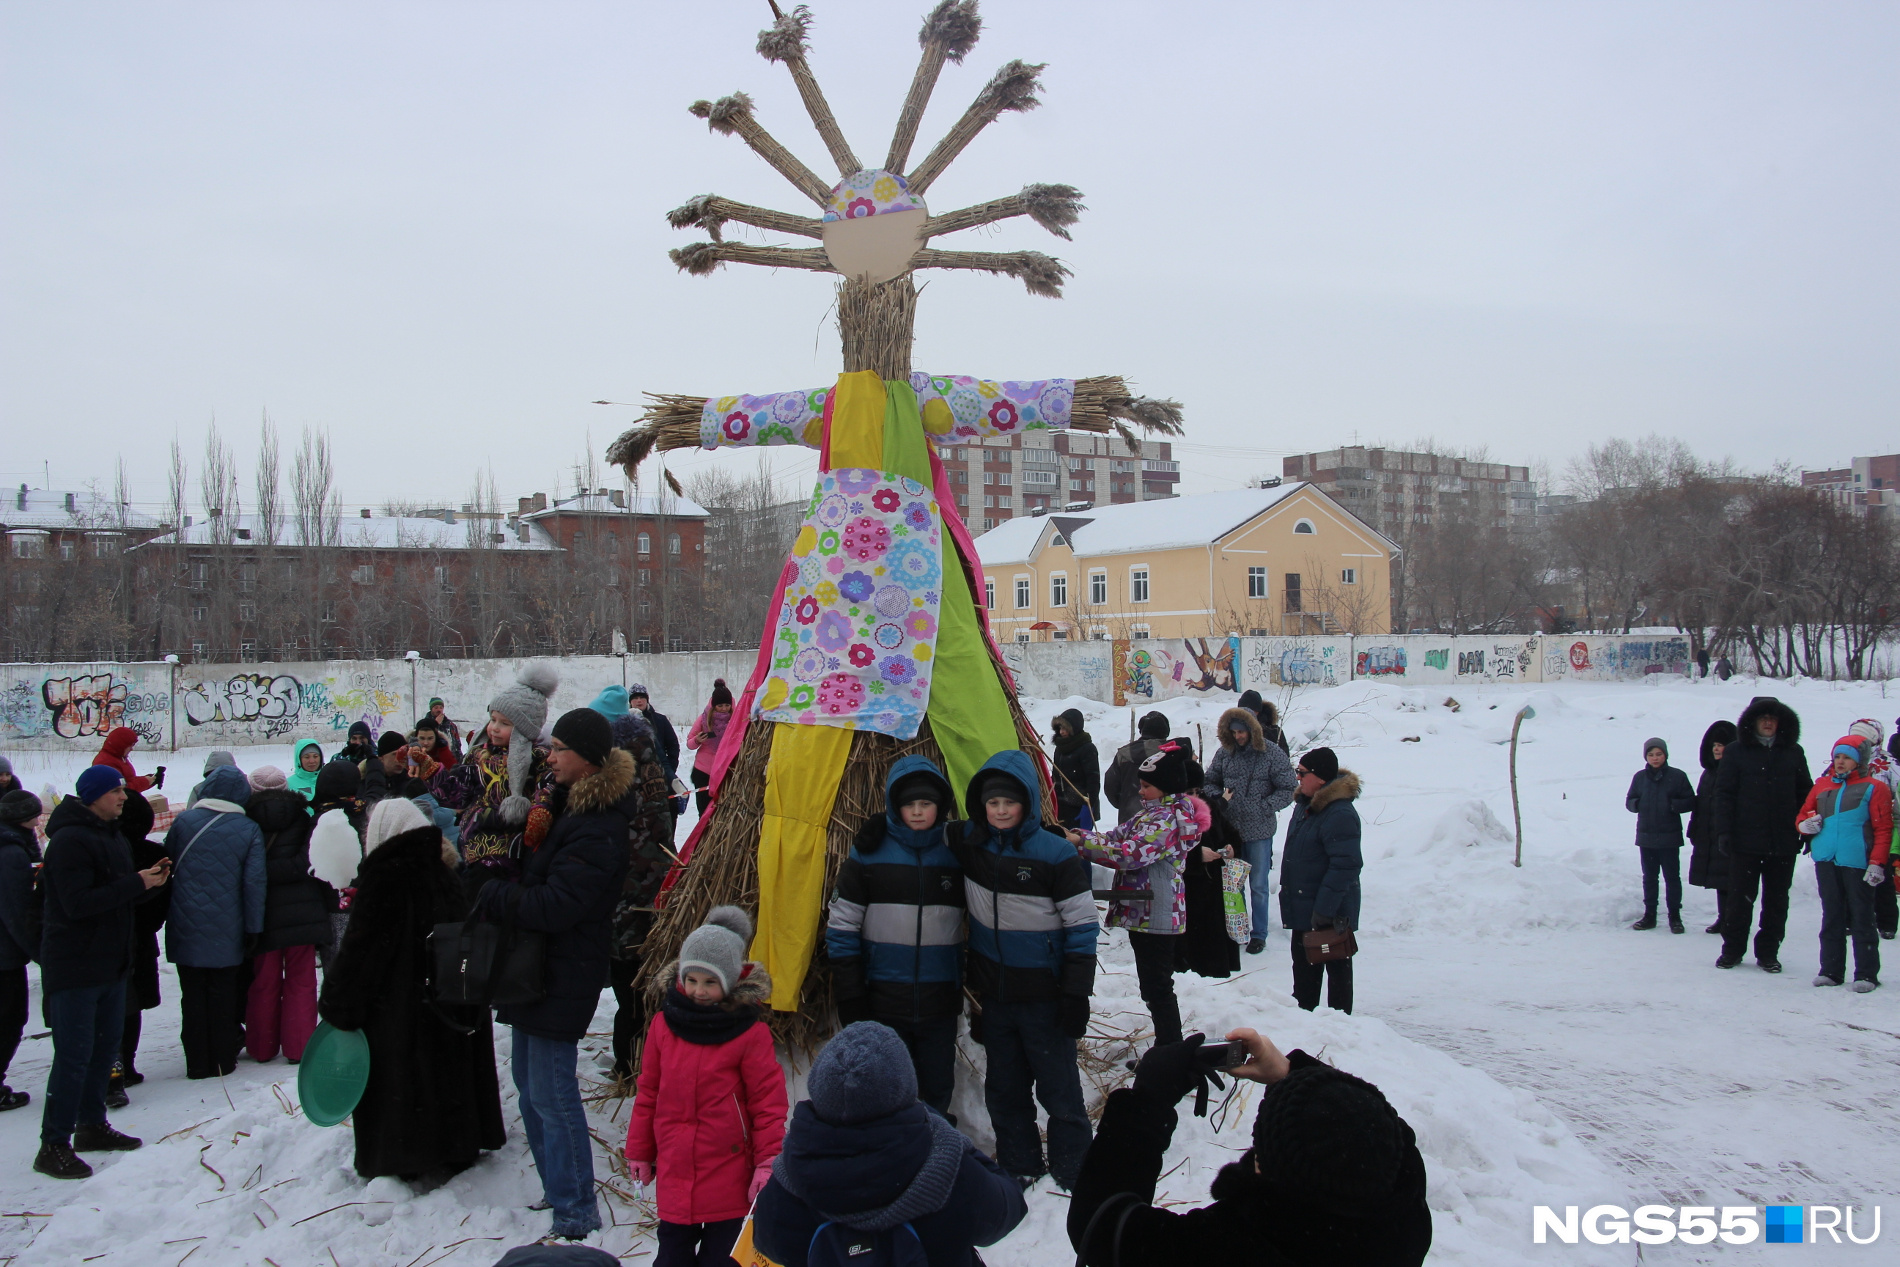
1022	591
1138	585
1292	600
1059	590
363	573
1349	576
989	501
198	613
678	643
247	576
989	594
613	578
646	607
247	650
1256	582
105	547
29	545
198	648
1002	477
328	612
1304	528
442	579
646	576
613	543
988	524
1098	634
1098	588
1139	633
643	543
200	575
247	611
644	645
1022	635
1061	635
68	548
673	544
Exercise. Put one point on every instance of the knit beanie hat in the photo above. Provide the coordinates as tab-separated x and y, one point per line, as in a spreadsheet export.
95	782
1004	786
1322	762
1152	726
525	705
218	758
1328	1137
920	786
863	1074
359	730
1168	768
337	781
1653	742
718	946
267	777
589	734
1852	747
391	817
611	702
391	741
1868	728
19	806
638	690
6	766
721	693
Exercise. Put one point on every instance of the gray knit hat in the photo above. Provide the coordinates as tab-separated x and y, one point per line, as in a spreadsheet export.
1653	742
525	705
863	1074
718	946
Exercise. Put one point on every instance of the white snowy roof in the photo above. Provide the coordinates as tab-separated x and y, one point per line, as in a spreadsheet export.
1163	524
380	533
49	508
637	504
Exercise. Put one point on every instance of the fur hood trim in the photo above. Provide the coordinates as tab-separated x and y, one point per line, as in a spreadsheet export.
1258	737
754	985
1343	788
604	788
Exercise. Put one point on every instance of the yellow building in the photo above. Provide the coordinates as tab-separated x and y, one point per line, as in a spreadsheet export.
1258	561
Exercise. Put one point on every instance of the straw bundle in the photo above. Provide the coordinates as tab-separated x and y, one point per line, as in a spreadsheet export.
725	864
948	34
1039	273
1011	88
711	212
1054	207
786	41
734	114
701	258
876	322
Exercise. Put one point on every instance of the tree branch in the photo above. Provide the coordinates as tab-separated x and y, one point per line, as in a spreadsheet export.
785	41
1011	88
1054	207
711	212
948	34
734	114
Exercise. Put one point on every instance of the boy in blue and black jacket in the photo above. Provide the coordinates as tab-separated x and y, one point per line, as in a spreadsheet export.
895	932
1031	965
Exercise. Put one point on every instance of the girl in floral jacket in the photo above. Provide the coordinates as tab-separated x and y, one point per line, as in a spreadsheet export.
1148	851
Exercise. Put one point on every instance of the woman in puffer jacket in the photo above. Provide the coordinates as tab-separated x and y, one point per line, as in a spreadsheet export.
1148	853
1254	779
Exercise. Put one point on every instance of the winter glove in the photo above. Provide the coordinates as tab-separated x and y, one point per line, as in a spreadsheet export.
1170	1070
1810	825
851	1011
976	1025
760	1177
1072	1016
1876	875
642	1172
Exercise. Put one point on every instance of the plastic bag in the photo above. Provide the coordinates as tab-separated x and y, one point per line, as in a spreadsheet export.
1233	896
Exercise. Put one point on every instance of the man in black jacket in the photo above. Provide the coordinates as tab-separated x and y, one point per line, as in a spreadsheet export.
1759	788
1334	1175
1078	770
1122	784
86	951
568	890
665	739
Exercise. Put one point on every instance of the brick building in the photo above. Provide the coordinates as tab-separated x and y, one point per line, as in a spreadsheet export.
64	588
1008	476
1870	485
1392	489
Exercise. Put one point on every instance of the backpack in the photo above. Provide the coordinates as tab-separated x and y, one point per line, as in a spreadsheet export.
835	1245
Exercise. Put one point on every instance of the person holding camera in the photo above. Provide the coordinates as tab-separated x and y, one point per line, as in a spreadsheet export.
1334	1175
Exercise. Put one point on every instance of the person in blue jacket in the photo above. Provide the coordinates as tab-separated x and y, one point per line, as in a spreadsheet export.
219	884
1031	966
1319	874
1659	796
869	1173
895	932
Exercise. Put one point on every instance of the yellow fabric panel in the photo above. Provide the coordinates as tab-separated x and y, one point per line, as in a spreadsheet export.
857	421
801	782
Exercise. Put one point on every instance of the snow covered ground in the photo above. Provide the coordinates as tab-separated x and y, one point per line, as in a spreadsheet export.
1544	1053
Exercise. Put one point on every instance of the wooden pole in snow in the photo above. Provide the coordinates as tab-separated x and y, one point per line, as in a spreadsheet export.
1517	814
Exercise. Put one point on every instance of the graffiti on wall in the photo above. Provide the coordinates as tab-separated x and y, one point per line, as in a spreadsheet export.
1275	661
93	705
1163	668
274	700
1438	658
1380	662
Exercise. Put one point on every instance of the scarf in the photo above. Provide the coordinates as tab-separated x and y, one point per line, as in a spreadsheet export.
928	1191
707	1025
1070	742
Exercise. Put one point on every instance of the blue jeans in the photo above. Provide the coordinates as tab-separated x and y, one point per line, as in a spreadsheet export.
1026	1049
556	1127
1258	854
87	1022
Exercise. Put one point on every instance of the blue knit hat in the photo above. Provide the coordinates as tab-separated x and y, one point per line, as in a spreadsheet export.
611	703
863	1074
95	782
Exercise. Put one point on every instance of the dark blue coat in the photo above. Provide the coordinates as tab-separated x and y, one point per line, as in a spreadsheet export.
1659	799
895	930
1319	875
219	882
91	887
19	854
568	890
841	1169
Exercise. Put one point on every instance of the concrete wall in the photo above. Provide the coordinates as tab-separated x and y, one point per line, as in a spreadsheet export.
1053	670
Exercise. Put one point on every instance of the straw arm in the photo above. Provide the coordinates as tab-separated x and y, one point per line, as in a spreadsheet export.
734	114
1011	88
949	32
702	258
1039	273
1104	404
1054	207
711	213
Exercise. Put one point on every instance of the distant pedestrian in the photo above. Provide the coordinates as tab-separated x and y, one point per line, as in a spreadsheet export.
500	791
1708	866
1702	661
1269	718
86	951
1759	789
439	714
1881	765
359	744
280	1007
703	739
1659	796
9	781
217	757
665	738
1319	874
116	753
1254	780
1848	815
19	859
1723	669
1078	770
305	765
1122	784
217	915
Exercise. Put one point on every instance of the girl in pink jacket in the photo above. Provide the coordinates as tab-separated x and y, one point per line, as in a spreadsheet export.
709	1106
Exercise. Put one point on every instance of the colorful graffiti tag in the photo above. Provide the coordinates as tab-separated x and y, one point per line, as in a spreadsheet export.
1163	668
1380	662
93	705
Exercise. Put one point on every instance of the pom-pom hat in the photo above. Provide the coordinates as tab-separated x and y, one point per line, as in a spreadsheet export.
718	946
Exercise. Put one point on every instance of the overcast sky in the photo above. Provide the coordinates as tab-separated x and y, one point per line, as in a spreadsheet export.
437	229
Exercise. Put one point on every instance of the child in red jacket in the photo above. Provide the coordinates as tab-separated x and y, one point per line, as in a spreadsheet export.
709	1107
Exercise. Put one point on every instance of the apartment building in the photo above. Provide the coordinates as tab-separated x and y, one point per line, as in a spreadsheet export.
1008	476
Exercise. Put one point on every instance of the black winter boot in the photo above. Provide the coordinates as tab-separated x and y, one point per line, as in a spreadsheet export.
58	1160
116	1098
1675	924
99	1137
1647	922
11	1099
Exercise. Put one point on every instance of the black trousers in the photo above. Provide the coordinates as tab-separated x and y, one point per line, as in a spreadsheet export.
702	781
208	1007
1154	972
1306	979
1847	907
933	1054
12	1015
1667	861
697	1244
1747	874
630	1018
1887	910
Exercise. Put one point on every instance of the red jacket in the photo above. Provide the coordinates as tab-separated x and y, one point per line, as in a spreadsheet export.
707	1116
113	753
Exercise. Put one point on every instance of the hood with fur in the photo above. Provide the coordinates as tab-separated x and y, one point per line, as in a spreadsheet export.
1257	738
1721	732
605	787
1787	733
1343	788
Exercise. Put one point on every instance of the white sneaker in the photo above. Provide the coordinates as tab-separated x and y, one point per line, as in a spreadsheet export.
1864	986
1824	979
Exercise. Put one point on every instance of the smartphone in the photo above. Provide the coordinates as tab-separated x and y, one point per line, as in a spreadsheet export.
1222	1055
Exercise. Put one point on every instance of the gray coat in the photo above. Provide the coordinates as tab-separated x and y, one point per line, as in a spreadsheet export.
1260	775
219	880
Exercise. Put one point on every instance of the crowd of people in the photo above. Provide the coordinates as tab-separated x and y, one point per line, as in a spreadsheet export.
348	862
1756	809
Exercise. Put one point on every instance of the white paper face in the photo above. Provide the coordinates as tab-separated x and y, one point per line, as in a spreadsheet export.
875	247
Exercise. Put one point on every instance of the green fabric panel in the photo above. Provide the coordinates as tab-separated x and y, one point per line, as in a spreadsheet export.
969	714
905	450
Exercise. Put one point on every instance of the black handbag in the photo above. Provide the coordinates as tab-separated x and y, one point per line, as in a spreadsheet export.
483	963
